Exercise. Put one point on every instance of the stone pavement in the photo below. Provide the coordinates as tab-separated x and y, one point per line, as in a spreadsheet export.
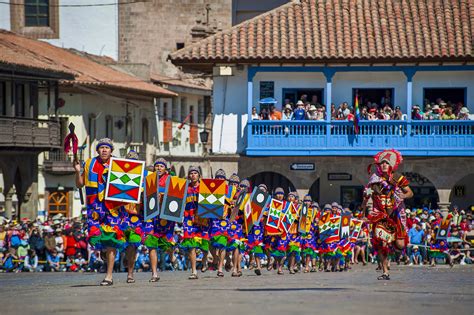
412	290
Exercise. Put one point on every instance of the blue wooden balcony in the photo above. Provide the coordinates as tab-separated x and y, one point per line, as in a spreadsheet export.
319	138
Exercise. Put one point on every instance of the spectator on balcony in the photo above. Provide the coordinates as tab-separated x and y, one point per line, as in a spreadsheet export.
415	113
448	114
333	111
364	114
287	113
312	113
299	113
387	112
436	113
398	115
350	115
427	112
255	115
314	101
321	111
387	98
457	108
274	113
264	114
380	114
372	114
463	114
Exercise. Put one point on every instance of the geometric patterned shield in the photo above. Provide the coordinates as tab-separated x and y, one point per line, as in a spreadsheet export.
242	200
288	217
124	181
444	227
211	198
151	205
329	231
305	219
258	201
174	199
356	231
274	213
345	224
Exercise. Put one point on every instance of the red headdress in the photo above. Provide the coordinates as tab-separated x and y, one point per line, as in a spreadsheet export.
392	157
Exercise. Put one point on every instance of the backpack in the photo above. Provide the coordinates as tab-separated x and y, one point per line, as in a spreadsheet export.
15	241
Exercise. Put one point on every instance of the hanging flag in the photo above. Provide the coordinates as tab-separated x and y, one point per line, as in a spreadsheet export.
271	226
356	115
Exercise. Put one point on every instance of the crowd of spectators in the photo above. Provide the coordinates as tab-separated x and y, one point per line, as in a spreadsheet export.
60	244
305	110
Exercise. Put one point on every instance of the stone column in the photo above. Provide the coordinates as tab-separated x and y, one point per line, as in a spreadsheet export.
9	204
444	202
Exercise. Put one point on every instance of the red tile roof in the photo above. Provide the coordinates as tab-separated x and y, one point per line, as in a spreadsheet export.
344	30
158	78
20	51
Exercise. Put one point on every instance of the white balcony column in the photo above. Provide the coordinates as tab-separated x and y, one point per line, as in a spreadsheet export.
249	97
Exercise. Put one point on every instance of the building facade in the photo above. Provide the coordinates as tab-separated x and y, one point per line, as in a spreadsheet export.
331	51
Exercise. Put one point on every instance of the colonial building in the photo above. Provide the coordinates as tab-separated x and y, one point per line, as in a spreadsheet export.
329	51
100	101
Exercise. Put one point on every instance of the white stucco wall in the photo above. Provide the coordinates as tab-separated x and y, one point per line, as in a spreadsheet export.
91	29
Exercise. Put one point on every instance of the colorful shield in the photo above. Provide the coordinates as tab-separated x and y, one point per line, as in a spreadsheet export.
125	178
151	204
329	231
306	217
356	231
443	230
288	217
258	202
242	200
345	225
211	200
174	200
271	226
229	198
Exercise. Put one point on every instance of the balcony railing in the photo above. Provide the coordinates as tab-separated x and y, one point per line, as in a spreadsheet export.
416	138
34	134
58	163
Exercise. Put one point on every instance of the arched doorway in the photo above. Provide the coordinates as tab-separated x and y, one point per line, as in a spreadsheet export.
462	193
314	190
182	172
425	193
272	180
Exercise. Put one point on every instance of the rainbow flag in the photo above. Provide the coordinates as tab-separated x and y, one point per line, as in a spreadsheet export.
356	115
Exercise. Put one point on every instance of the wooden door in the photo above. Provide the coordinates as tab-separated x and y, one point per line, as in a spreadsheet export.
58	202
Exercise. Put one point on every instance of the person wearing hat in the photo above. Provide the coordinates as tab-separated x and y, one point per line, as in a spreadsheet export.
103	219
463	114
416	113
299	113
293	249
236	244
219	234
255	239
277	244
427	112
159	233
387	189
287	112
435	113
308	249
312	113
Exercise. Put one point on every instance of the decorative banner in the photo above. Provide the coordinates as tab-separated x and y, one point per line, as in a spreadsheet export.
211	198
124	180
329	231
356	231
273	219
288	217
151	205
306	217
444	229
345	225
174	200
258	201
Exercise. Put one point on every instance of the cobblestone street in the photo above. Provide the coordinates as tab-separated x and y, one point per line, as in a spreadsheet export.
412	290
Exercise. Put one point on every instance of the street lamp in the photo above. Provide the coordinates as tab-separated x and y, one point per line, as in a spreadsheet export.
204	136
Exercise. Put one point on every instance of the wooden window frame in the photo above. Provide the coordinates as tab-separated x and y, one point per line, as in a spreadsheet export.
17	21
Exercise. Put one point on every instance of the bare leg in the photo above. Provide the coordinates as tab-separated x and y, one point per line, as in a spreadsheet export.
192	259
221	253
130	255
154	263
110	256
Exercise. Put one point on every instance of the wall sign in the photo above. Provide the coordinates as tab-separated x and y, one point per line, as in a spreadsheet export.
339	176
459	191
267	89
302	167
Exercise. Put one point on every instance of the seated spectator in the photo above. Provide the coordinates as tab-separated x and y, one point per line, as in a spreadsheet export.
287	113
312	113
80	262
255	116
95	261
415	113
31	262
463	114
299	113
274	113
448	114
71	244
143	260
8	263
52	261
456	255
415	257
49	239
37	242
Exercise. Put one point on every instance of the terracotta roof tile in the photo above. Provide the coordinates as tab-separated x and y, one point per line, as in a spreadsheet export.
332	30
38	54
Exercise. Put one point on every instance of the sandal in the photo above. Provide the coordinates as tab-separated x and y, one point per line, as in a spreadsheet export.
204	268
235	274
269	267
193	276
384	276
314	270
292	272
106	283
220	274
239	274
258	272
280	272
130	280
154	279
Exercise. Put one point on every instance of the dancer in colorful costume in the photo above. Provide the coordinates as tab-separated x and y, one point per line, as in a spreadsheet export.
160	232
279	243
103	218
387	190
308	242
294	239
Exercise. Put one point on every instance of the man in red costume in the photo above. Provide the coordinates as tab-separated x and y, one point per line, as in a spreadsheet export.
388	190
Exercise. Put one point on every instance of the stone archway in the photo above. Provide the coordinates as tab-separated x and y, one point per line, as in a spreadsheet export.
314	190
425	192
272	180
462	193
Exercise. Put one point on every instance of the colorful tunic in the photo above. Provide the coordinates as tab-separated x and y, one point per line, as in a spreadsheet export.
255	240
195	234
439	249
103	218
308	241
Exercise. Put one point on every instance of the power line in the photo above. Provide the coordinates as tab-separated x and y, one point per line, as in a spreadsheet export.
80	5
